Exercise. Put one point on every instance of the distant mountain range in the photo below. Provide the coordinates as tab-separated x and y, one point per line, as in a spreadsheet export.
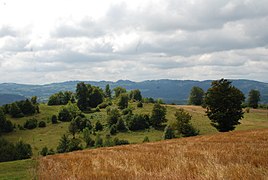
171	91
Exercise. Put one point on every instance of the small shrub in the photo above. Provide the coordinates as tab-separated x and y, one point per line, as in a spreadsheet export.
168	133
44	151
139	105
98	126
30	124
146	139
119	142
98	141
54	119
42	124
113	130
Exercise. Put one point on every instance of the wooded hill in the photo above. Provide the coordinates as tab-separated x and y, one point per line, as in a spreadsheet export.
170	91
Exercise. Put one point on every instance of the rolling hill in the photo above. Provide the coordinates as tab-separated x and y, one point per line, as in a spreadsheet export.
171	91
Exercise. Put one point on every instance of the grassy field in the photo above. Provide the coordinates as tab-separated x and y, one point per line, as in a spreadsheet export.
23	169
50	135
233	155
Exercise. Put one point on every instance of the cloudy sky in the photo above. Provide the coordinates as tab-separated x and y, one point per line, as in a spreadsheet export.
61	40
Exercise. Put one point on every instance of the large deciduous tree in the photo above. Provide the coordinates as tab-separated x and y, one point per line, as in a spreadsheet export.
224	105
158	115
196	96
253	98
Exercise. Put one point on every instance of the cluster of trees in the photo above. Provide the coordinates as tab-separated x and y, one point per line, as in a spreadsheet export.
17	151
61	98
5	125
22	108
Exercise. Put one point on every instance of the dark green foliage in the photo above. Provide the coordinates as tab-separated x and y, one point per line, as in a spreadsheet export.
123	101
135	95
23	150
196	96
73	128
168	133
27	107
113	116
61	98
108	92
224	105
146	139
44	151
138	122
119	142
139	104
183	125
113	129
98	141
86	136
82	96
42	124
30	123
119	90
75	145
65	115
34	100
68	112
108	142
64	144
149	100
54	119
98	126
158	115
127	111
88	96
103	105
5	125
7	150
253	98
15	111
120	125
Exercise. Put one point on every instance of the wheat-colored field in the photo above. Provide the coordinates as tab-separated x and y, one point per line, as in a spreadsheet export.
233	155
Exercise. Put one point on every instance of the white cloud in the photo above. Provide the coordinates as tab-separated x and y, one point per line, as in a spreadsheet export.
49	41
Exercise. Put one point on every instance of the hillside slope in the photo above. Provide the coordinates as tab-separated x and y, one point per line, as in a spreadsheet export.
170	91
233	155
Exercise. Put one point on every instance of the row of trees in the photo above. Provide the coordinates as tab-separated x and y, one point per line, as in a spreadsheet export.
197	96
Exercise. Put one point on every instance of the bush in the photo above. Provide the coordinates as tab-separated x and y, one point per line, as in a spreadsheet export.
168	133
30	124
65	115
146	139
113	130
54	119
139	105
98	126
42	124
23	150
119	142
120	125
98	141
138	122
103	105
44	151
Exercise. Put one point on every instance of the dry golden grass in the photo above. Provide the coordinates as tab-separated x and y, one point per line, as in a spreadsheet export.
233	155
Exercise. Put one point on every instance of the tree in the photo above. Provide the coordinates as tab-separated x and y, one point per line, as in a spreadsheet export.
120	125
65	115
82	96
42	124
73	128
98	141
98	126
15	111
5	125
138	122
63	144
224	105
108	92
119	90
135	95
23	150
113	116
168	133
253	98
54	119
183	125
196	96
30	123
113	129
158	115
123	101
86	136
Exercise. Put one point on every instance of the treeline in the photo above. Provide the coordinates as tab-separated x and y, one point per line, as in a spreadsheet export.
197	95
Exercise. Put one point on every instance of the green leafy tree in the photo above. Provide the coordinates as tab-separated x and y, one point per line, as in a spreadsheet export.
23	150
113	129
82	95
138	122
158	115
113	116
224	105
98	126
119	90
135	95
183	125
86	136
30	123
5	125
73	128
15	111
123	101
196	96
168	133
253	98
120	125
108	92
64	144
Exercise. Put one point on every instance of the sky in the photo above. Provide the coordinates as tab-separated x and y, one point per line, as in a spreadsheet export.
62	40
